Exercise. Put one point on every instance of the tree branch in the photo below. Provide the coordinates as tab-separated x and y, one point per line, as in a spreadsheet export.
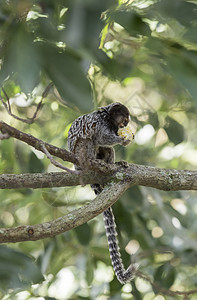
48	180
164	291
163	179
123	176
56	163
36	143
73	219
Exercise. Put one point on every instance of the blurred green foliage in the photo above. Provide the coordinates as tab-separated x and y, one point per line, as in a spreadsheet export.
143	54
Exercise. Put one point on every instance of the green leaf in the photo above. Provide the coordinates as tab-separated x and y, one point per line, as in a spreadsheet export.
182	64
191	35
183	11
157	45
189	256
35	164
165	276
117	68
135	291
11	88
84	24
17	270
131	21
8	155
175	130
45	257
89	270
101	253
123	218
133	199
83	233
177	61
153	120
65	70
21	58
115	287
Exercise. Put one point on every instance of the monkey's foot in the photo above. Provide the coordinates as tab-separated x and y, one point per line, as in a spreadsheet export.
122	163
100	165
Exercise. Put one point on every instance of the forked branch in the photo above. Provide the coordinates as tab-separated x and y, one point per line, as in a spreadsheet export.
8	108
36	143
75	218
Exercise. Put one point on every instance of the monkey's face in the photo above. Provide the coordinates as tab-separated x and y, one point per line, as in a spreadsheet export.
119	116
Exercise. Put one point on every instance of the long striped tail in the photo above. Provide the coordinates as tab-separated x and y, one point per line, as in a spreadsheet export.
122	275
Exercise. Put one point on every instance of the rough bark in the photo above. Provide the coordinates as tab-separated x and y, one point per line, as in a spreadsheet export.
163	179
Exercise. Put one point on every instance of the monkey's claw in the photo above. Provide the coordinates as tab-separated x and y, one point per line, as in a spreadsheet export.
122	163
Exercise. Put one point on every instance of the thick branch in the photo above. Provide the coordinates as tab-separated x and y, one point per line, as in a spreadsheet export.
36	143
75	218
163	179
49	180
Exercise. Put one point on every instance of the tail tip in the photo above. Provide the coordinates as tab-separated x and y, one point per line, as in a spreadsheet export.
129	274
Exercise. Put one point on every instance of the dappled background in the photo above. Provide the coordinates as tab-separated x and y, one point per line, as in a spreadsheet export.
142	54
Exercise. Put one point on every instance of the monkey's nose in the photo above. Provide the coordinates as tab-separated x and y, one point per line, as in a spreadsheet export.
122	125
126	123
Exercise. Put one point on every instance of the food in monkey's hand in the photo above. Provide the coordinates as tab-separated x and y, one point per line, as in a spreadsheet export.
126	133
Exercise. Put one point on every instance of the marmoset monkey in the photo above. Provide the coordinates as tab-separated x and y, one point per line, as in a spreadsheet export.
92	137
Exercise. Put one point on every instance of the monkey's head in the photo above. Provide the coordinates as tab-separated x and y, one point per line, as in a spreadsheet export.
118	116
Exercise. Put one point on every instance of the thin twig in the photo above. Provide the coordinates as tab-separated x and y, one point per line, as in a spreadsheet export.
156	286
38	108
47	89
40	104
55	163
37	143
4	136
8	100
9	111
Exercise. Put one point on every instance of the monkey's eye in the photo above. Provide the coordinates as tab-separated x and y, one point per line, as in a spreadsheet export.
124	123
121	125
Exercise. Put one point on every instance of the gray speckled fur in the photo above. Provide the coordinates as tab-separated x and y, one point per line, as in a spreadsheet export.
94	126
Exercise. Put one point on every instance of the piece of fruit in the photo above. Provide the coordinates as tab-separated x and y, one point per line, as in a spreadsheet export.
126	133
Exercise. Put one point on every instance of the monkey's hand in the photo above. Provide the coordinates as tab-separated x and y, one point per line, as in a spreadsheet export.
126	142
99	165
122	163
